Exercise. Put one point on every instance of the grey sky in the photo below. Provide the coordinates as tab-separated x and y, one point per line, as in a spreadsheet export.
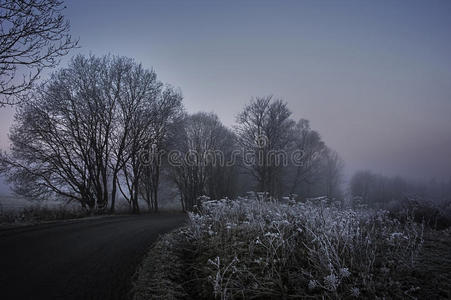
373	77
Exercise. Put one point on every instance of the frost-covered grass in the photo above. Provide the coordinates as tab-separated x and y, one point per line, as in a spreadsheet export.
250	249
39	213
19	211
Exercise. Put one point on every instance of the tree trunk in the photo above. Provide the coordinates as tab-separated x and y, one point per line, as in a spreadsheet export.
113	193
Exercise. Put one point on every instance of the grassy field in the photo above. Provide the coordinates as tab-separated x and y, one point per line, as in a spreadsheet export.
19	211
10	203
16	211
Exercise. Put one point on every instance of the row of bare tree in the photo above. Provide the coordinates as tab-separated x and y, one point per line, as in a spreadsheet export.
290	156
381	191
105	127
81	135
267	151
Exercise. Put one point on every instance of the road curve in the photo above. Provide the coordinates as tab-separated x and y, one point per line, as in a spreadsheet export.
93	258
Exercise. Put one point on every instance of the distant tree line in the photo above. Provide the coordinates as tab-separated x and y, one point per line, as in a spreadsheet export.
381	191
427	201
266	128
105	127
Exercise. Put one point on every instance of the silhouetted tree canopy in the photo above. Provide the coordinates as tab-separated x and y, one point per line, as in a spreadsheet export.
34	35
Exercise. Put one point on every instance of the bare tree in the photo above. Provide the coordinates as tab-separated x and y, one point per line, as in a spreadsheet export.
166	113
33	36
131	160
201	146
360	185
67	124
265	132
139	92
377	190
332	174
81	134
222	171
305	173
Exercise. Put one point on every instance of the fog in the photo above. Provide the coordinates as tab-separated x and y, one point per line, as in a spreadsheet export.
374	79
225	149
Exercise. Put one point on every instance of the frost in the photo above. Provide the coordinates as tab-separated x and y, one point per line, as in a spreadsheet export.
355	292
312	284
330	248
344	272
331	282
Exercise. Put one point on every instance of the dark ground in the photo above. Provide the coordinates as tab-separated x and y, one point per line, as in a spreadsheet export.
81	259
433	269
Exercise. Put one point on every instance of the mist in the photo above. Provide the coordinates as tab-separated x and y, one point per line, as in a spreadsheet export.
222	150
372	78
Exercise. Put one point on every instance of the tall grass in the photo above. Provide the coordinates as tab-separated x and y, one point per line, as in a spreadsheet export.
251	249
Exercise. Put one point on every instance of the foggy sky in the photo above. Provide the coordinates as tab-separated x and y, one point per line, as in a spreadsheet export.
373	77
